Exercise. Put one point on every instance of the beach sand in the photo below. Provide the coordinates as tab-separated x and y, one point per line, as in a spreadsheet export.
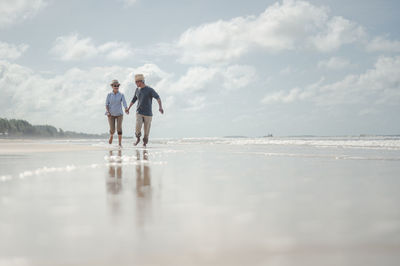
198	202
18	146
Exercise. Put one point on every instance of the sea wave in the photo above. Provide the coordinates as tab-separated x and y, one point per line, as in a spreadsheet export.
388	143
370	142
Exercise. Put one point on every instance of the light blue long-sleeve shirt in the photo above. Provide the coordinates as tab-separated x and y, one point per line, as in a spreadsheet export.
114	101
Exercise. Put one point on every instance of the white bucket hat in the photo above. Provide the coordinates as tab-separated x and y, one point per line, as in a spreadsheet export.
115	81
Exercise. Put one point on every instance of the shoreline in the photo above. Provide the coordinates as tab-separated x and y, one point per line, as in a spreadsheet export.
18	146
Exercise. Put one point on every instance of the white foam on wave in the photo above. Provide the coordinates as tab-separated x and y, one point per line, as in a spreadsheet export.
94	165
328	156
365	142
5	178
16	261
129	160
110	159
39	171
379	142
335	143
45	170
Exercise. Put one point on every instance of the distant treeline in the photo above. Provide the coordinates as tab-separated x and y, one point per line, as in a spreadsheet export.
22	128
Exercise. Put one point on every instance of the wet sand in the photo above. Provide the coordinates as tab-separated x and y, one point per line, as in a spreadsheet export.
23	146
200	204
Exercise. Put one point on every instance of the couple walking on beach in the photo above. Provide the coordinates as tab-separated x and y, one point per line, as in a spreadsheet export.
143	96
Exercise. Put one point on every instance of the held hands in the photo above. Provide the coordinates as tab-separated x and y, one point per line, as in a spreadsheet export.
127	111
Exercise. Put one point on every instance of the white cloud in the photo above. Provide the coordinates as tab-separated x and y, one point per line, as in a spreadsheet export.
201	78
285	97
69	99
190	91
290	70
62	100
382	44
238	76
287	71
12	51
116	50
334	63
159	49
282	26
129	2
338	31
13	11
195	79
73	47
195	103
380	85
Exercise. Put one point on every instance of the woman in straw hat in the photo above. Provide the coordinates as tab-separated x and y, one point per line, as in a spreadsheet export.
114	110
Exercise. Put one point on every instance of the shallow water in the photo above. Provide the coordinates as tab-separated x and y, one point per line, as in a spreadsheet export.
203	202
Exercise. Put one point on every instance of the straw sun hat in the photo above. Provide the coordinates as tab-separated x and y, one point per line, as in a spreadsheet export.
139	77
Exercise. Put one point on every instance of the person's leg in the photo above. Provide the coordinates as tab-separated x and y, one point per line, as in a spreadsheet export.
111	122
147	124
139	122
119	129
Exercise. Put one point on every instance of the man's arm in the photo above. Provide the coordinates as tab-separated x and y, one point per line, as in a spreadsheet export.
134	99
157	97
132	103
160	106
124	103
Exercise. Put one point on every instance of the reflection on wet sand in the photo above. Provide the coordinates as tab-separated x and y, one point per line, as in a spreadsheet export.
118	198
114	184
143	177
114	179
143	185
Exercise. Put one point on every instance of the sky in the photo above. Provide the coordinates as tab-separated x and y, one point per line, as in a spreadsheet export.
222	68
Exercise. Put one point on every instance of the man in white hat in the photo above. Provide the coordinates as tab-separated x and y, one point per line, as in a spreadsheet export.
144	96
114	110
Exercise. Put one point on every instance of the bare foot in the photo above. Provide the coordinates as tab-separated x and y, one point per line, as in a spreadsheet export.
137	141
110	140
